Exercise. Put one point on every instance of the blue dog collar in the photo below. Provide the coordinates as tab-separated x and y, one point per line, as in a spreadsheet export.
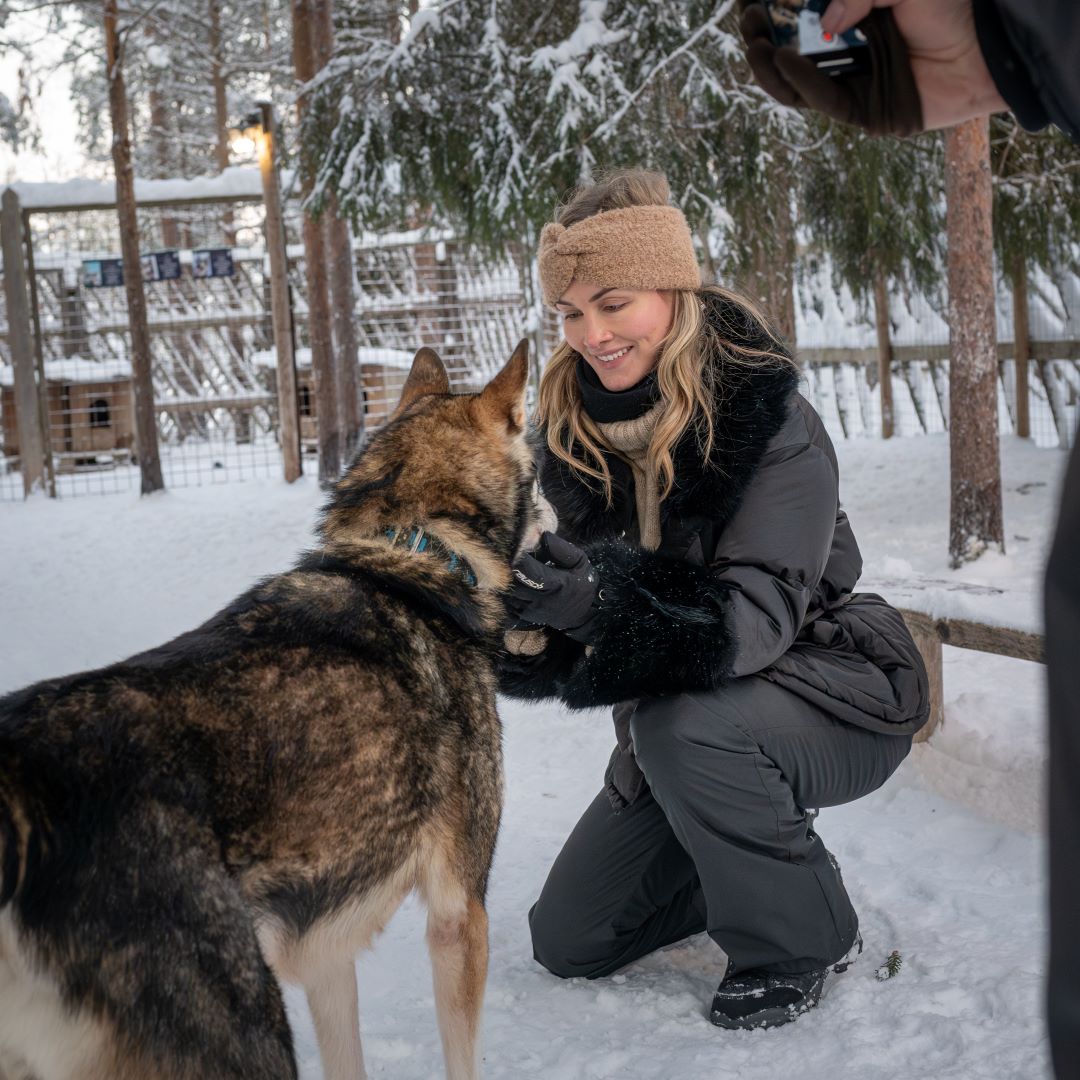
416	540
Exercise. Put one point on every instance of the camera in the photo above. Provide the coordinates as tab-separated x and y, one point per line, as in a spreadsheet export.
797	23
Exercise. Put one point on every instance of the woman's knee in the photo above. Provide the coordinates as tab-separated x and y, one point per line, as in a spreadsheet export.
668	731
561	947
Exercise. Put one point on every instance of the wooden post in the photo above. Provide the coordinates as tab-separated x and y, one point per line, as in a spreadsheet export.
27	418
884	348
928	642
146	439
975	515
288	412
343	295
1022	340
39	359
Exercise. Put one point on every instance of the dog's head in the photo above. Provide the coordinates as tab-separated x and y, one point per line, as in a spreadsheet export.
460	466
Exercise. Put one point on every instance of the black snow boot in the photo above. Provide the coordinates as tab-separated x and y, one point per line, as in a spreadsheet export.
762	999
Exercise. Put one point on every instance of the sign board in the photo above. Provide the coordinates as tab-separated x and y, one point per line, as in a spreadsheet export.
160	266
102	273
212	262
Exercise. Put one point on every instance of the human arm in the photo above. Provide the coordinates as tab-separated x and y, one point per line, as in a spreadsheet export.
668	625
964	59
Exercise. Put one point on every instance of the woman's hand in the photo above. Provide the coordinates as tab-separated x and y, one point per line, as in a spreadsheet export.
927	70
555	587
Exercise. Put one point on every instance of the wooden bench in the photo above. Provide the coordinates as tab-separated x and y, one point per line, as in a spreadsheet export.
931	633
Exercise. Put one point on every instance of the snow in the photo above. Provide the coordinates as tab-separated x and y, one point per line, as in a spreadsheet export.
232	183
399	359
75	369
945	863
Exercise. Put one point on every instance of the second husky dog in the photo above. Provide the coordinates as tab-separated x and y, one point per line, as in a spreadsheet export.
253	800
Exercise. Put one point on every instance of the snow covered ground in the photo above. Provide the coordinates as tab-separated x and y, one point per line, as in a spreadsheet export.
945	863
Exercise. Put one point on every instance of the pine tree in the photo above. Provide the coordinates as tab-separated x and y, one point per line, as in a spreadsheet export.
874	207
490	113
1036	226
183	87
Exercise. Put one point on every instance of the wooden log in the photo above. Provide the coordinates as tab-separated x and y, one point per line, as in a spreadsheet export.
927	641
981	637
930	634
20	342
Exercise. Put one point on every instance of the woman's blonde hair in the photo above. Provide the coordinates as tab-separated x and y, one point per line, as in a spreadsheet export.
686	375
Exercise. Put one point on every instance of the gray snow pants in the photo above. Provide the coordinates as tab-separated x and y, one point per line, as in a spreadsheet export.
720	841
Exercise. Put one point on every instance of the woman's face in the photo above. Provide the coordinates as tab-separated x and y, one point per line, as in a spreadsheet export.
618	331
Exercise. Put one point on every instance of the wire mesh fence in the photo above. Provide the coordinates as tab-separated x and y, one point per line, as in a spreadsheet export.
204	281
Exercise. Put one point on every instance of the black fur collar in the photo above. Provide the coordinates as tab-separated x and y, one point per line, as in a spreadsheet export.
749	409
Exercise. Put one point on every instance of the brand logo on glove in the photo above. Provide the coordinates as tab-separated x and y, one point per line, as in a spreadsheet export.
525	580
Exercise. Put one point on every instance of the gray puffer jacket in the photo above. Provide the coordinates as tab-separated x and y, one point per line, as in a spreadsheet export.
754	574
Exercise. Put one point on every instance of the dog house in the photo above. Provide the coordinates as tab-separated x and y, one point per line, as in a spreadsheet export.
91	411
382	375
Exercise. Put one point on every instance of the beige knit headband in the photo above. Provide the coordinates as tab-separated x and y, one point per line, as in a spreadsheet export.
637	247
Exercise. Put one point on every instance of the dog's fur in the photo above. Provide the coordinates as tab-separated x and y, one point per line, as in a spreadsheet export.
256	798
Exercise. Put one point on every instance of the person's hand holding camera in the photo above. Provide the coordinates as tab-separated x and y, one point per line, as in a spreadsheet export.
926	69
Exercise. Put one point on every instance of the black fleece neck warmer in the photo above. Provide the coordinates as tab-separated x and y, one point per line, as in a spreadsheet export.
605	406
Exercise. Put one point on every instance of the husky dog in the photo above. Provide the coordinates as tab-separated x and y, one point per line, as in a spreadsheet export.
253	801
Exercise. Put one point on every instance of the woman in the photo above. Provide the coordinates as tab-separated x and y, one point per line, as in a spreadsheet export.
701	582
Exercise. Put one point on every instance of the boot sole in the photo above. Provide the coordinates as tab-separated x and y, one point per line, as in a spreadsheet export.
766	1018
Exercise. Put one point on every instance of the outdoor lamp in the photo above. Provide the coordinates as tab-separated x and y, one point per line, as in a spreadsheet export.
244	140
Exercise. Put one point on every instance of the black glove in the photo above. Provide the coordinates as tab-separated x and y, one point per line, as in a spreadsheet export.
881	101
555	587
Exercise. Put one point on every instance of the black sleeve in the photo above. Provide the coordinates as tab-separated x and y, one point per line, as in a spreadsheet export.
1032	50
539	675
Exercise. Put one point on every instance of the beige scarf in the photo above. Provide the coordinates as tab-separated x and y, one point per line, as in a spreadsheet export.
630	439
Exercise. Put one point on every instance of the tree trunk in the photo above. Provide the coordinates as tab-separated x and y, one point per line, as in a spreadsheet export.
221	108
142	378
281	311
315	260
339	239
773	272
1022	345
783	276
884	349
159	135
975	520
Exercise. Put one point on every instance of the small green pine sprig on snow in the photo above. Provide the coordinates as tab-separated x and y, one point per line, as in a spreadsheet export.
891	966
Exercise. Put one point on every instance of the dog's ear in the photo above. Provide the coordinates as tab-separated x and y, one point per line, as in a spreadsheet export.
426	376
504	396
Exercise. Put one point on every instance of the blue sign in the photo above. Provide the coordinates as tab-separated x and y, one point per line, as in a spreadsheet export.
102	273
